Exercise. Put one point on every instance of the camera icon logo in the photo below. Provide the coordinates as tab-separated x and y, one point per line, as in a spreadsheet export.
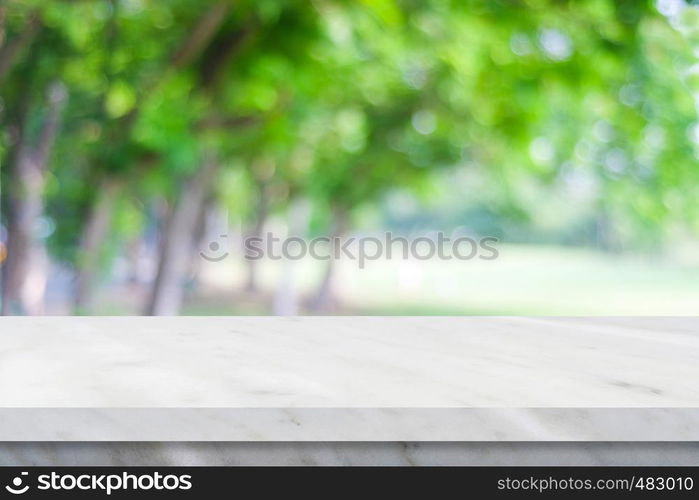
16	487
214	252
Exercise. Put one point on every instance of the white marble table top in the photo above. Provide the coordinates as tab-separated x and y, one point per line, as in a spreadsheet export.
349	378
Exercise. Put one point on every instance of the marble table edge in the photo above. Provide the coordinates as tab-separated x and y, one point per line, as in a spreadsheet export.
349	424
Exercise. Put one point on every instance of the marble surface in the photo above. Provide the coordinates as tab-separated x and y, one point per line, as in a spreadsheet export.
344	453
349	379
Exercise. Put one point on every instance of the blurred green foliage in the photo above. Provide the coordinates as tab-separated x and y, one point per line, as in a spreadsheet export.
345	102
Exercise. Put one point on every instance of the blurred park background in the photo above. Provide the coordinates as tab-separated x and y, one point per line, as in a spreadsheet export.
137	135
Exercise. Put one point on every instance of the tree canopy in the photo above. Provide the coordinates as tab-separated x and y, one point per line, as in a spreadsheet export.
123	118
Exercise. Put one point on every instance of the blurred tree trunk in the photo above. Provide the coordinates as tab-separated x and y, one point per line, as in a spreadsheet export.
325	297
202	233
605	235
261	213
24	273
92	242
100	217
3	17
176	247
286	298
11	50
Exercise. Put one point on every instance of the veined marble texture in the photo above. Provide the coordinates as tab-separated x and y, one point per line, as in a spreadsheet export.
348	453
349	379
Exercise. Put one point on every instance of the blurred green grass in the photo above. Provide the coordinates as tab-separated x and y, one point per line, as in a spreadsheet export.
524	280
